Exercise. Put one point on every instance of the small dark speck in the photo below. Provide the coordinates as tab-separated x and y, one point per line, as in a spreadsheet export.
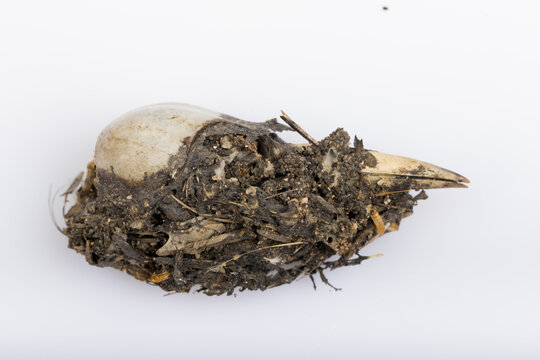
385	8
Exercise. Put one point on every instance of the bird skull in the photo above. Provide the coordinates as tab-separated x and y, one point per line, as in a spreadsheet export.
180	196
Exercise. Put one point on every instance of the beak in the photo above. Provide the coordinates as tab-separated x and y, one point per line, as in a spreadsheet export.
398	173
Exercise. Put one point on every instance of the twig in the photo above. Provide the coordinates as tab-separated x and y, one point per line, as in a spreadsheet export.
209	216
281	193
392	192
238	256
313	281
297	128
325	280
184	205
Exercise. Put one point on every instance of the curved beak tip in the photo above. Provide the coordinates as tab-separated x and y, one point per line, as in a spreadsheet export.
401	173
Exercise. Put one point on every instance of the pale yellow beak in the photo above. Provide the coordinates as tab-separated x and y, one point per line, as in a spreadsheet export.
398	173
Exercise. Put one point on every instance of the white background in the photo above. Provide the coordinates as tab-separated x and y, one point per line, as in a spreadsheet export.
455	83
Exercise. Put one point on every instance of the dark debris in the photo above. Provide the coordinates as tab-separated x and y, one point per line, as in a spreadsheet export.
246	211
